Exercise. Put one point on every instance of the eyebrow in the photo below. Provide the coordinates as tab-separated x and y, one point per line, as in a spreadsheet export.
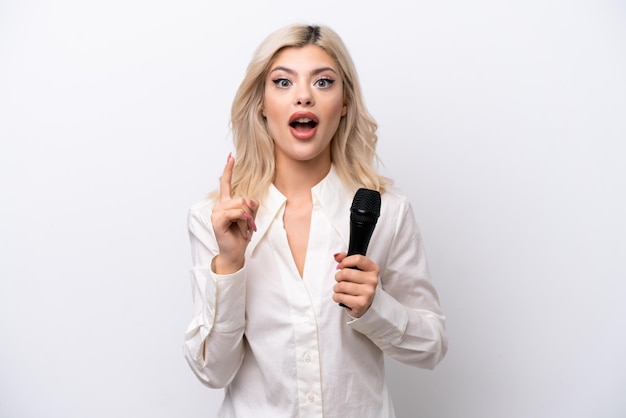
313	72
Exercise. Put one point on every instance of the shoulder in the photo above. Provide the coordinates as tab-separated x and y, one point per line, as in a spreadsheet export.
396	210
393	201
393	196
199	213
203	205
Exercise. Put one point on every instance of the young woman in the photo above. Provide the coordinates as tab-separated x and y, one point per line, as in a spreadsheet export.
269	249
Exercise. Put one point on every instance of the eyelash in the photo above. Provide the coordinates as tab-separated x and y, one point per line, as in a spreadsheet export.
329	81
278	82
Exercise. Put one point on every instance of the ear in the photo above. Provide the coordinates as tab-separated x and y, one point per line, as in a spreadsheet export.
344	110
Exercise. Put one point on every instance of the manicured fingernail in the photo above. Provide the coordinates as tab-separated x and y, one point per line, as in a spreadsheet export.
339	266
230	154
335	255
251	223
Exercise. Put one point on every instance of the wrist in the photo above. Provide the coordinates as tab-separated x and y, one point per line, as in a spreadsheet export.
222	265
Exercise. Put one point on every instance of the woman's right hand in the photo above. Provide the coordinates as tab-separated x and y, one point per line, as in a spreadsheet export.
233	223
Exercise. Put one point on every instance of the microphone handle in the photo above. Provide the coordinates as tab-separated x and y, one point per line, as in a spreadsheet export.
360	235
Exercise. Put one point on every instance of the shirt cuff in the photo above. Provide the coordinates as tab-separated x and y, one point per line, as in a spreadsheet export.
228	300
384	322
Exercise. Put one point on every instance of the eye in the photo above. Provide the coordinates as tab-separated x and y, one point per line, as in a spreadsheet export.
282	83
324	82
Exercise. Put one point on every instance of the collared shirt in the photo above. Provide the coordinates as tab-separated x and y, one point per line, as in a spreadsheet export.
278	342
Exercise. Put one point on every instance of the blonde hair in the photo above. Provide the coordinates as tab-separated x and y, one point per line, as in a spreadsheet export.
353	147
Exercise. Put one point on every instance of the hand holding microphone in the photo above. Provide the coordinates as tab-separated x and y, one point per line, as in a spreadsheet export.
357	277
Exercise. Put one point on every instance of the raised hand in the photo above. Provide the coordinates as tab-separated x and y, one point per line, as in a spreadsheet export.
233	223
357	279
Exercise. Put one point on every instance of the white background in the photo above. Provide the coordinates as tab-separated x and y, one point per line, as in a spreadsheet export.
504	122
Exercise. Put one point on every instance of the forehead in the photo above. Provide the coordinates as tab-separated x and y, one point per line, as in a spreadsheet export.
304	58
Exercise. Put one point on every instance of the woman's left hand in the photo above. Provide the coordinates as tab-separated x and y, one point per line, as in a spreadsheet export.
357	279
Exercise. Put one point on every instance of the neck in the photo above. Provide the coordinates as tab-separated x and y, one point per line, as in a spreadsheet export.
296	178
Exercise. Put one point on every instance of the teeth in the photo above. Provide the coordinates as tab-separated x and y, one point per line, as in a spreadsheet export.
303	120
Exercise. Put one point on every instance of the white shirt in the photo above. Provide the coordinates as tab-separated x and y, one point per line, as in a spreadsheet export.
279	344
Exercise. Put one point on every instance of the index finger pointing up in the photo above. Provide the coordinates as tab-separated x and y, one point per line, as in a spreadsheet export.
225	180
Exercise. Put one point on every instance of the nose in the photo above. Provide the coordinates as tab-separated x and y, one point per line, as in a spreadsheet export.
304	97
305	101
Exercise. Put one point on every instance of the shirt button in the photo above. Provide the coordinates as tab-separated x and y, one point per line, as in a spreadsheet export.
305	318
311	398
307	357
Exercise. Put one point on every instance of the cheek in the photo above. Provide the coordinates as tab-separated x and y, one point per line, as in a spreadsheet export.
272	126
271	108
272	119
338	110
337	105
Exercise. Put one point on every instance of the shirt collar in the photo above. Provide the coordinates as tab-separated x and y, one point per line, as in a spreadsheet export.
330	195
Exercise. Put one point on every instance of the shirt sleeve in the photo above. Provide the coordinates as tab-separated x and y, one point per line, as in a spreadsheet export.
405	319
214	338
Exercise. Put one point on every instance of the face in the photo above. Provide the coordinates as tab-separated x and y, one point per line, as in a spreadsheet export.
303	103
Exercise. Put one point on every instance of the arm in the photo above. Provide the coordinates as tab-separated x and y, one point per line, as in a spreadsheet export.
404	319
214	338
219	236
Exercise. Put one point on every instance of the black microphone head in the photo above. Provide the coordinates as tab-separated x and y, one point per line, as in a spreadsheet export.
365	206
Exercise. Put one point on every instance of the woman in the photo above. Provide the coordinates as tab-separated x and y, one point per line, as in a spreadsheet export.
269	249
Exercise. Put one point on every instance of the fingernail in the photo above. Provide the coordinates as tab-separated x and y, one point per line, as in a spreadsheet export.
339	266
230	154
251	223
335	255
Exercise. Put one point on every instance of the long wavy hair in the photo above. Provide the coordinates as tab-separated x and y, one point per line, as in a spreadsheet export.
353	147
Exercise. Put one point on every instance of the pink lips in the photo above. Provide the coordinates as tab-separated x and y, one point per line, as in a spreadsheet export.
303	125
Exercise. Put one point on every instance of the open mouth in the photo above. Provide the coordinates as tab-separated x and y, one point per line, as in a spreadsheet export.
303	124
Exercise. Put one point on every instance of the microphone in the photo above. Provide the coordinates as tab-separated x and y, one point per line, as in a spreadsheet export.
364	214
